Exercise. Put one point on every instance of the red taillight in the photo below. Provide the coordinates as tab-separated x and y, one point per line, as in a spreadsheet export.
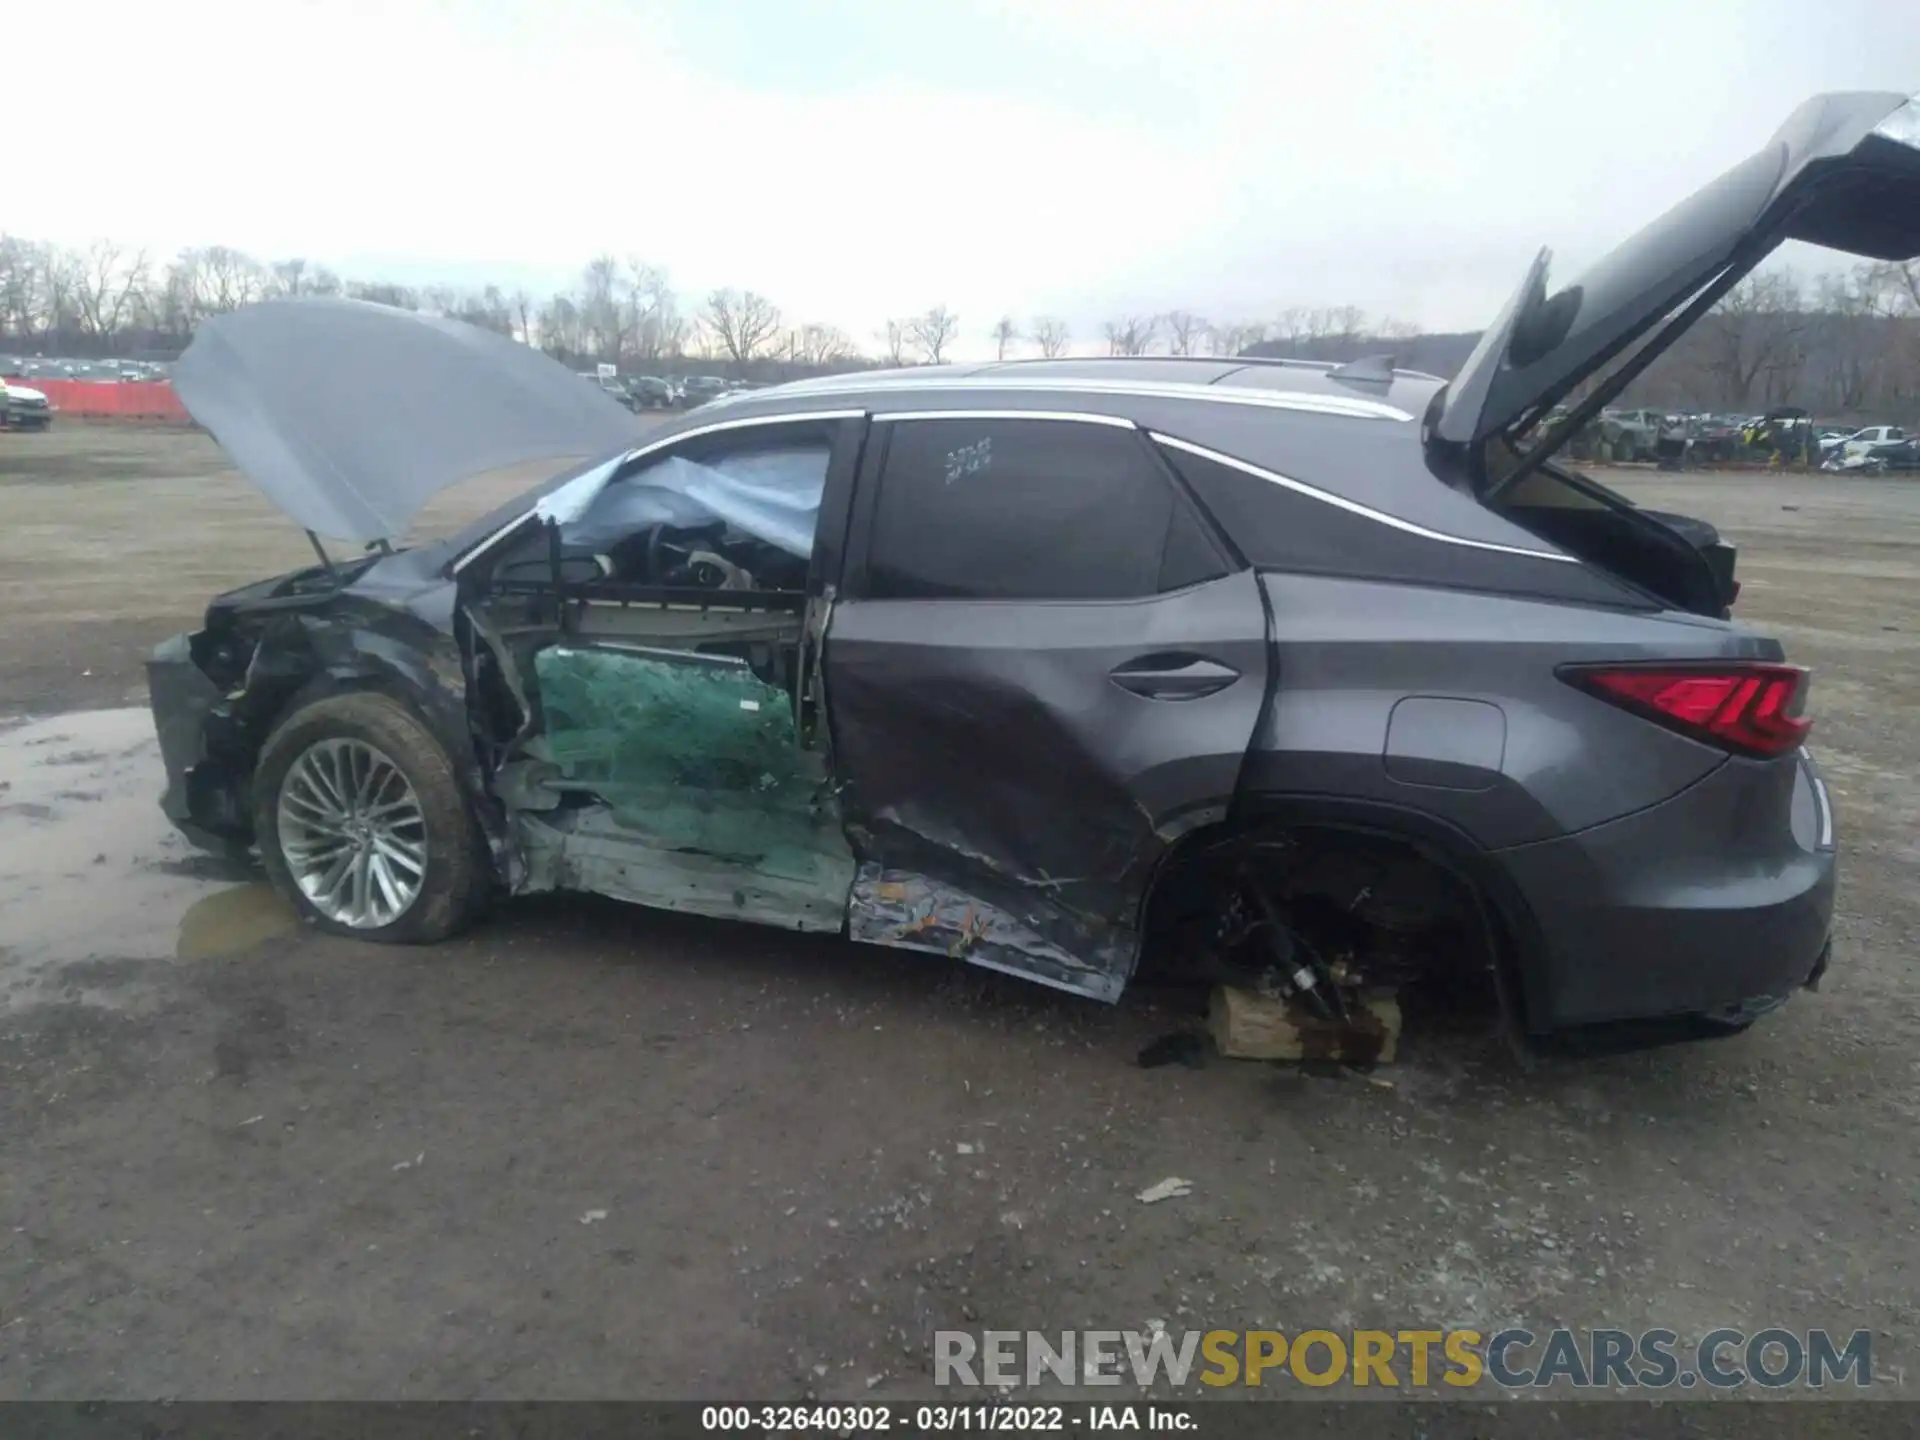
1750	708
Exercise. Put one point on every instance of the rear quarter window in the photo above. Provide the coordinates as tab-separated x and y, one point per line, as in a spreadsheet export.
1014	509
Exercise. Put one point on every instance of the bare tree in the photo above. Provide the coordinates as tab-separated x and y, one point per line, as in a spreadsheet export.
1753	331
1290	328
1186	332
1004	333
522	304
742	323
286	278
600	309
702	343
675	332
19	312
1849	309
1901	275
1130	335
228	279
1233	339
384	292
561	333
651	318
1346	324
107	285
932	332
57	280
489	309
893	338
820	345
1050	333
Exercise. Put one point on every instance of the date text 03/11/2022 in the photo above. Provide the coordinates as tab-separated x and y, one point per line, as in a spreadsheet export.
921	1419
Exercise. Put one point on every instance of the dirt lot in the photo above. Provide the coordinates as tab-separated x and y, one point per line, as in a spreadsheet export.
594	1151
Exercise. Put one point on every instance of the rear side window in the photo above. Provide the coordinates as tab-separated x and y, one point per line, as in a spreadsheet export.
1267	522
1029	510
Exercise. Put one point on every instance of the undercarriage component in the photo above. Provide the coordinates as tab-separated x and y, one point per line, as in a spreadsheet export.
1298	969
1246	1026
1315	917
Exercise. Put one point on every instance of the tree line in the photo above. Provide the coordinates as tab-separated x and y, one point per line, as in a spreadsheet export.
1840	344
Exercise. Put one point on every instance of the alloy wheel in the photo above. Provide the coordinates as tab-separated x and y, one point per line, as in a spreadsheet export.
352	833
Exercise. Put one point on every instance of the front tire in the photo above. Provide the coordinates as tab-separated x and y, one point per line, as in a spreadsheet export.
362	824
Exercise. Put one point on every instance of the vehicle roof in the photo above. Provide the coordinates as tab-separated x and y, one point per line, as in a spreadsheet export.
1353	438
1278	386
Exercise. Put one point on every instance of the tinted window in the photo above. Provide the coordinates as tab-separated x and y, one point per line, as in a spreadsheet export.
1190	555
1028	510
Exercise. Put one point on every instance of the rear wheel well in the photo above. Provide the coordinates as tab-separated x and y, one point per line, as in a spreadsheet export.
1386	899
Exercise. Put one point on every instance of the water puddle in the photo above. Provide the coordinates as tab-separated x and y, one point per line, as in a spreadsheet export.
229	921
93	878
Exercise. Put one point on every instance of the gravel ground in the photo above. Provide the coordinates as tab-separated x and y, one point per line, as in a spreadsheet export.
593	1151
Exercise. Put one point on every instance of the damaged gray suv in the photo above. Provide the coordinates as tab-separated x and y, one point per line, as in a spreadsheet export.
1324	672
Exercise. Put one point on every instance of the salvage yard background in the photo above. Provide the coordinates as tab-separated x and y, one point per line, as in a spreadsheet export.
589	1150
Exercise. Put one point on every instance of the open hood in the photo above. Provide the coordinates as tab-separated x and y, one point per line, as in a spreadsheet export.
351	415
1843	173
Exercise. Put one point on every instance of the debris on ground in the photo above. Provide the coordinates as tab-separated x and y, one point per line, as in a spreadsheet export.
1181	1047
1249	1026
417	1160
1171	1188
593	1217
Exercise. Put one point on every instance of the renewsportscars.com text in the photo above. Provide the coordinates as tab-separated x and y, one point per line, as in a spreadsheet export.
1513	1359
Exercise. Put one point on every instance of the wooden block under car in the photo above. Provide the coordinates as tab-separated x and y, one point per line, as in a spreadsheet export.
1249	1026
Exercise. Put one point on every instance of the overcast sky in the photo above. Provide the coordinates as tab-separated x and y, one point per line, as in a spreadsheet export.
859	158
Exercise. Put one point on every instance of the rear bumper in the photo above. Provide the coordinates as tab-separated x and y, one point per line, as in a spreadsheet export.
1718	902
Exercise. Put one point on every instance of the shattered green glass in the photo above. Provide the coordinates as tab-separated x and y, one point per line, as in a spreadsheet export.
690	755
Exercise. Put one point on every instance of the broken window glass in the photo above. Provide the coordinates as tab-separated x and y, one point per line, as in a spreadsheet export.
770	494
691	752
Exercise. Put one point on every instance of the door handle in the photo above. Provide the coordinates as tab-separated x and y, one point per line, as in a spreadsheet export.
1173	677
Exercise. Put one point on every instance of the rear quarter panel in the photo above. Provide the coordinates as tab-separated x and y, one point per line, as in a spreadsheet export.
1346	652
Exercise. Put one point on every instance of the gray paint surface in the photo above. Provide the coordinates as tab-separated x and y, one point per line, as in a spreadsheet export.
351	415
986	746
1452	744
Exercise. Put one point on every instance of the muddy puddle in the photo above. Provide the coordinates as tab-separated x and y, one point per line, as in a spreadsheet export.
96	888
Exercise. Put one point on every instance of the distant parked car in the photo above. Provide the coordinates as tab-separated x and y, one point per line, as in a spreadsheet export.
651	392
1905	456
701	388
1631	434
1876	457
1716	439
612	386
24	408
1872	440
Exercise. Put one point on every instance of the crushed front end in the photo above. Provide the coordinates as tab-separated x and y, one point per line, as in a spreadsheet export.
376	622
205	796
